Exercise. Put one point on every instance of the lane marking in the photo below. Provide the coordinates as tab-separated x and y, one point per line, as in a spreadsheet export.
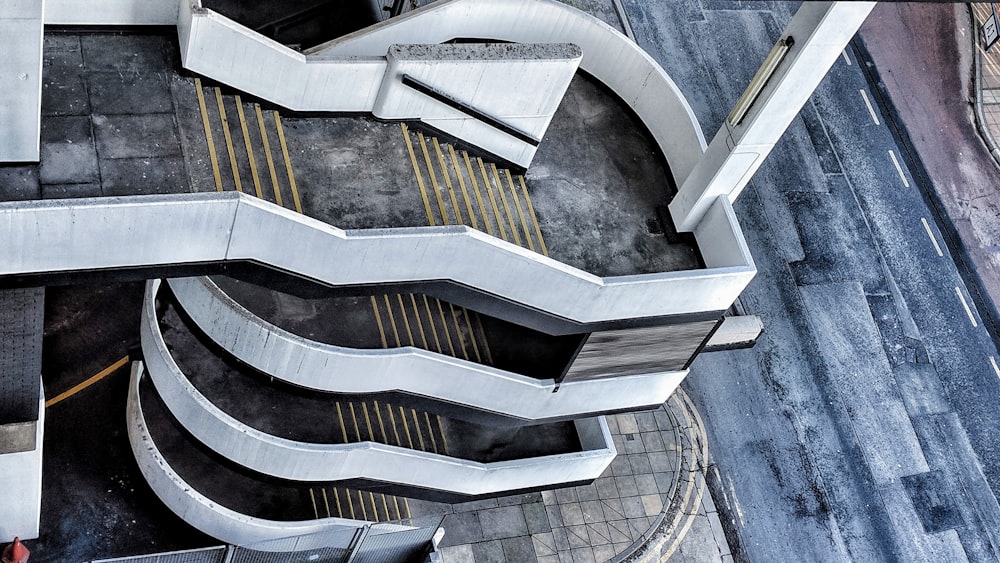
208	135
846	58
416	171
996	368
930	234
270	159
87	382
288	162
899	169
868	104
229	140
968	311
249	147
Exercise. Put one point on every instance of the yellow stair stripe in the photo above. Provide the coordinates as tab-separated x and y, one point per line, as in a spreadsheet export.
208	135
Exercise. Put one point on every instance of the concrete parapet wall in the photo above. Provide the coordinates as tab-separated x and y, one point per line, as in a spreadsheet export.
195	508
325	367
302	461
102	233
608	56
111	12
21	27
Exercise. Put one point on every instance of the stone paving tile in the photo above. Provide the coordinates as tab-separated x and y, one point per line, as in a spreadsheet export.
18	183
133	136
66	191
457	553
652	442
620	465
68	155
568	495
555	516
627	423
132	176
461	527
587	492
620	532
578	536
646	421
653	504
519	499
646	484
599	533
548	559
660	462
114	93
518	549
536	518
502	522
488	552
572	513
633	507
640	463
604	552
561	538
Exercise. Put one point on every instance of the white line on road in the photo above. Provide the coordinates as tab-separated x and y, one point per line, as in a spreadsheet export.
871	110
899	169
846	58
931	235
996	368
968	311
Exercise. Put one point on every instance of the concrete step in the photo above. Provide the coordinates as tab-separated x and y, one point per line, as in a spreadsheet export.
462	189
247	148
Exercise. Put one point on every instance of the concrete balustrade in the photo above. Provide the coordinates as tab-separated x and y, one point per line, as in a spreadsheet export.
143	231
302	461
200	511
324	367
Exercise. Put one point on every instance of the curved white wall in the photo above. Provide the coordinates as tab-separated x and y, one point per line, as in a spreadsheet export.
197	509
325	367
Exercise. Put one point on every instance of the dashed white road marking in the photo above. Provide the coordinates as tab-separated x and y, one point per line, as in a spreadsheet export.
968	311
899	169
868	104
846	58
930	234
996	368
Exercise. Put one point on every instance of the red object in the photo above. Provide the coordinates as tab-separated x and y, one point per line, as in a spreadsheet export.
15	553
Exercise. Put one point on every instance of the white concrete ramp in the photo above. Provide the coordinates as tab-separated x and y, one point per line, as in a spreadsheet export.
20	80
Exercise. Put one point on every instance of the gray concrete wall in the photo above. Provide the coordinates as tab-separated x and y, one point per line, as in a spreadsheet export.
302	461
198	510
86	234
324	367
20	80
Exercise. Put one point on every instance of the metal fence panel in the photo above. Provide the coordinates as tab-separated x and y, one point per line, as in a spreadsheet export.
387	542
203	555
318	555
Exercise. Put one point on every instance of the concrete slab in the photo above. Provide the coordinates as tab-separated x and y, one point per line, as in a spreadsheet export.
114	93
18	182
68	152
140	176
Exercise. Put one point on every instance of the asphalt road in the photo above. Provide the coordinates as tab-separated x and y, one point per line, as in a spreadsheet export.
861	426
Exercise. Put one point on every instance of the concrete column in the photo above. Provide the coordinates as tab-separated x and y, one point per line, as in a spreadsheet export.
20	80
821	31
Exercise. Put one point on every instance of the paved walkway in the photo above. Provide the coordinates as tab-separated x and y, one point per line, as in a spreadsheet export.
650	505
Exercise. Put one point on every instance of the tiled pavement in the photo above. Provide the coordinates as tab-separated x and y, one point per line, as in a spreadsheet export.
650	504
988	82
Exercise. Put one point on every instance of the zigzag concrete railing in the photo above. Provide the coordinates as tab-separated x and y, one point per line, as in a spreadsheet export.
302	461
197	509
51	236
314	365
610	57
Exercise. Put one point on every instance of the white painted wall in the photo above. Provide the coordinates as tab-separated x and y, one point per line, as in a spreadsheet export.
324	367
84	234
20	79
21	486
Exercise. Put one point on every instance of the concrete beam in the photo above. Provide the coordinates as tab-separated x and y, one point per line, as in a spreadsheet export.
820	31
